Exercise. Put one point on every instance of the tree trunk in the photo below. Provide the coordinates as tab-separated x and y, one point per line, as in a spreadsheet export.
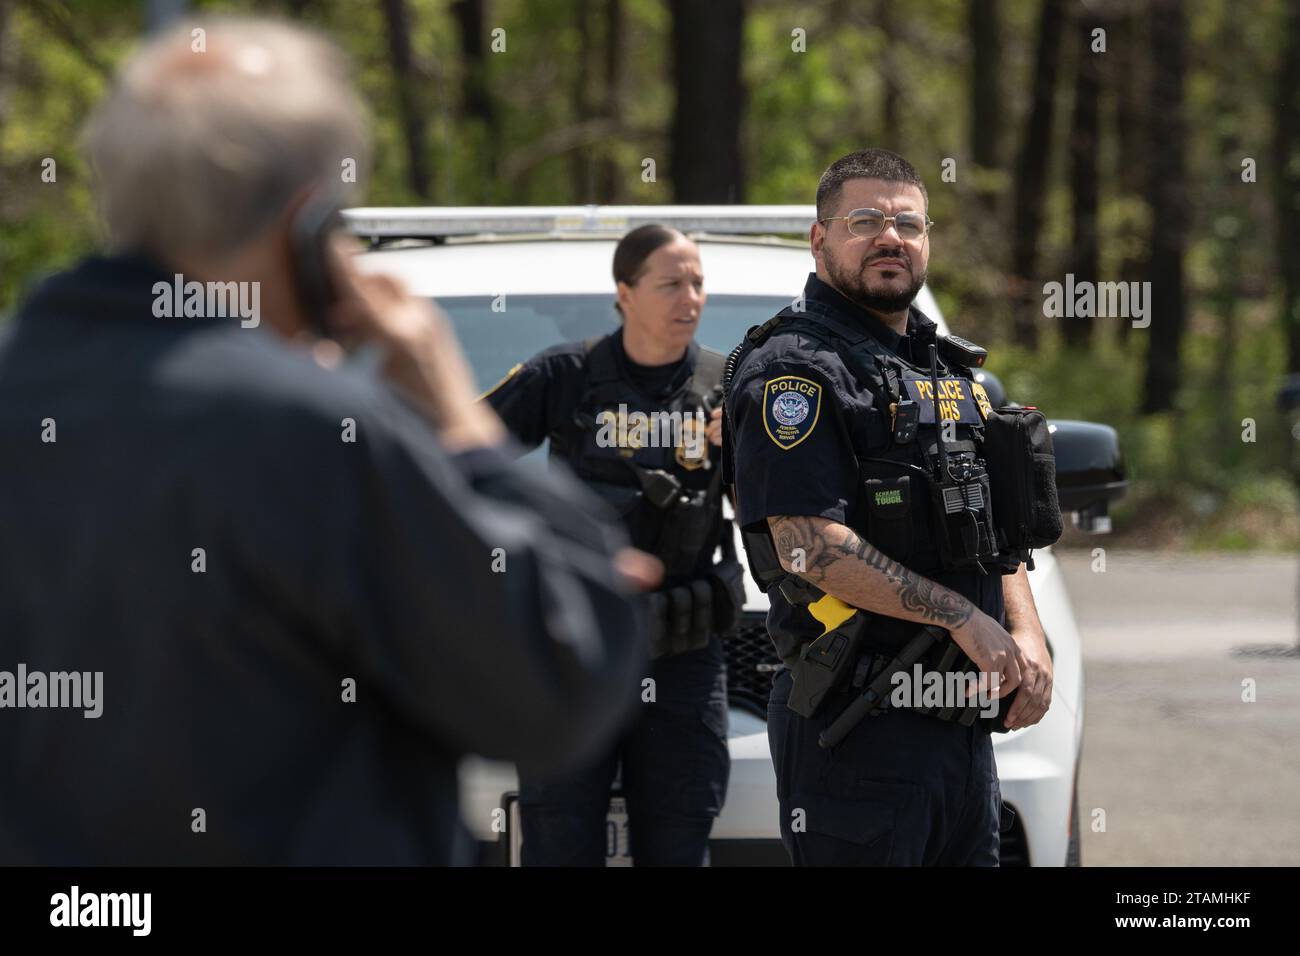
6	8
610	180
706	46
581	168
1286	179
986	76
1085	136
891	96
411	111
1031	176
1167	187
477	105
1127	75
1227	201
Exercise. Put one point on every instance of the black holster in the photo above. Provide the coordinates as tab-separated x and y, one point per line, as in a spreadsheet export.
825	665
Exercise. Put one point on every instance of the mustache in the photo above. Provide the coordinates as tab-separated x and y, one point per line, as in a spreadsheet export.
899	255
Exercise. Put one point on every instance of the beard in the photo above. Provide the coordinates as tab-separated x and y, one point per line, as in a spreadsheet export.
853	285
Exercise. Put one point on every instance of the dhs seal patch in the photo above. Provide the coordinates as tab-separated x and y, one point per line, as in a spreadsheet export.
791	407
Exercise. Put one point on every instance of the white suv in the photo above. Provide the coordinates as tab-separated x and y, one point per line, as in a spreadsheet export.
515	281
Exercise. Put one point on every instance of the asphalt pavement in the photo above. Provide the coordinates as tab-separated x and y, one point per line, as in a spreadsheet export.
1191	747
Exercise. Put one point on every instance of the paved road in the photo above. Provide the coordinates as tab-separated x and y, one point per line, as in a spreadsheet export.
1187	772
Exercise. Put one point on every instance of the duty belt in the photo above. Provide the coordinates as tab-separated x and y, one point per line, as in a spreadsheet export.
824	667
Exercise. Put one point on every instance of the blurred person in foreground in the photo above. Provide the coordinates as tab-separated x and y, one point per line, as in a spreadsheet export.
296	594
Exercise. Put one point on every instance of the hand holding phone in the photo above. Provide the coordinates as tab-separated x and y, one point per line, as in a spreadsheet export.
422	356
311	237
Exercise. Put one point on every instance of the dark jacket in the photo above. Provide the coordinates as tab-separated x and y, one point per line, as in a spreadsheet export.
323	561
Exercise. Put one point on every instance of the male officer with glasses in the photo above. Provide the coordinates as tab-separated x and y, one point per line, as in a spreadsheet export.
835	435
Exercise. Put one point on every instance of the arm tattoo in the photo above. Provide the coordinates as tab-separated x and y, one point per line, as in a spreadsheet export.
820	551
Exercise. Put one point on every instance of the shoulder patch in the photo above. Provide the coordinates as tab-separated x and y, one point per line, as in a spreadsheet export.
982	399
791	407
507	377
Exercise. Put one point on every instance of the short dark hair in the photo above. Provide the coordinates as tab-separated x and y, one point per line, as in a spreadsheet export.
865	164
636	247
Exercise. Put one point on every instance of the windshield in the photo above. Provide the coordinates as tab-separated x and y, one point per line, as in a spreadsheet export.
494	341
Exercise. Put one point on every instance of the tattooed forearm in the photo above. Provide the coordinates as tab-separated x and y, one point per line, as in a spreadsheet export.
832	556
934	602
807	547
803	546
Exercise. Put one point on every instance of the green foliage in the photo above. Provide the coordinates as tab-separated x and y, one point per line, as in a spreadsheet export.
48	90
1193	478
557	135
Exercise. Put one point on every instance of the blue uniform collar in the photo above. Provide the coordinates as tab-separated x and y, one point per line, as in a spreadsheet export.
684	371
921	331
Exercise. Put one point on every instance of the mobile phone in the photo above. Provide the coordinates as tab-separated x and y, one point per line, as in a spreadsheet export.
309	236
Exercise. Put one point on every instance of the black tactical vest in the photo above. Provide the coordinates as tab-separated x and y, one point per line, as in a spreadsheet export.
924	497
924	502
649	458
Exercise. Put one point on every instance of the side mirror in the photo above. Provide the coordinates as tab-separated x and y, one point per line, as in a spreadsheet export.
1089	472
1288	399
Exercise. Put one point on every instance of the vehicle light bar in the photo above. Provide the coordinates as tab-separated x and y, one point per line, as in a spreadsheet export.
439	221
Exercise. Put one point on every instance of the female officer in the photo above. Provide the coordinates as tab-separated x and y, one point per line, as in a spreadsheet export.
636	415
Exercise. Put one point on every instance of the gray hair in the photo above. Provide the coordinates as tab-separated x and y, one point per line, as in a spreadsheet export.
207	137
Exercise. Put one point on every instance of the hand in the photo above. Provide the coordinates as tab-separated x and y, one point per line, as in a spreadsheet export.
372	307
714	429
422	357
991	649
642	571
1035	678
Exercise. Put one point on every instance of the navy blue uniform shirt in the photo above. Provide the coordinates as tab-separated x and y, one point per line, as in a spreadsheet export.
799	457
538	395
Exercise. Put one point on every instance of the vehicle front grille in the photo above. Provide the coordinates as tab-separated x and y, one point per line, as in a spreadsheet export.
751	662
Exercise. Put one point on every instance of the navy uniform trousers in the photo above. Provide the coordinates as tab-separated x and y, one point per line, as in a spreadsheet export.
902	789
675	766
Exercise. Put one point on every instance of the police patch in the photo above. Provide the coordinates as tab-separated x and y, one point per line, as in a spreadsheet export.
791	407
956	404
693	448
